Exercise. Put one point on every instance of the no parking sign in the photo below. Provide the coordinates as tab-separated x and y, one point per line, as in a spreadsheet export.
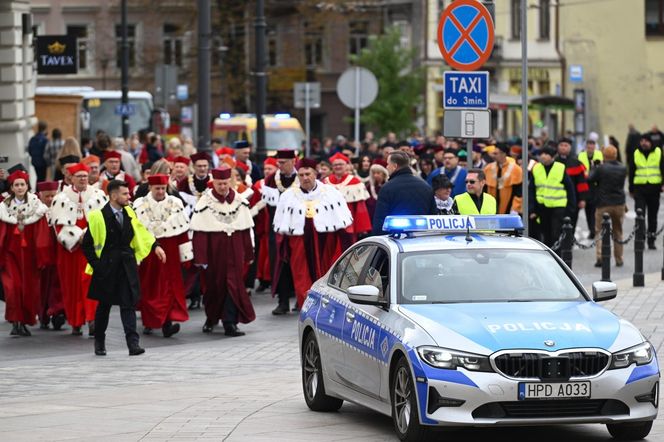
465	35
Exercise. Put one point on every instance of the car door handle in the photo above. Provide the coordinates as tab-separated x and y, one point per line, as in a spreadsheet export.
350	316
325	301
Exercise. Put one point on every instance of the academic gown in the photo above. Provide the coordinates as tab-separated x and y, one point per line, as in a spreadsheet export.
262	231
51	296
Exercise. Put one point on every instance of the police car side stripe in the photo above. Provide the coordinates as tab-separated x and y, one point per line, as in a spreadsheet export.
643	371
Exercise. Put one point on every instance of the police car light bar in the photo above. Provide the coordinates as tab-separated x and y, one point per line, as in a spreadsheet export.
452	223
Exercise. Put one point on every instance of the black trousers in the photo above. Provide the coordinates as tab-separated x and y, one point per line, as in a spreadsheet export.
590	216
230	311
551	224
128	316
649	203
41	173
286	288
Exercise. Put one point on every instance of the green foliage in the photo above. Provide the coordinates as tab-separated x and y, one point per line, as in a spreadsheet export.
400	85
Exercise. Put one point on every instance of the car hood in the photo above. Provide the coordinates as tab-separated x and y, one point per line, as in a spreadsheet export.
527	325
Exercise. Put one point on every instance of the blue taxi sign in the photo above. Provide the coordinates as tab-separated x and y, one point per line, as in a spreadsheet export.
451	223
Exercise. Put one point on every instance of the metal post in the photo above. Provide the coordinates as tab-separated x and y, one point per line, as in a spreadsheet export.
307	109
567	242
125	71
204	120
638	279
357	105
259	26
606	247
469	153
524	114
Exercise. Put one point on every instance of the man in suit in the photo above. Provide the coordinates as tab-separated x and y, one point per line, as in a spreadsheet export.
114	244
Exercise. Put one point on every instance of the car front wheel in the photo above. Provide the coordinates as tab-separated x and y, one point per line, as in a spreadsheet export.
404	404
312	379
630	430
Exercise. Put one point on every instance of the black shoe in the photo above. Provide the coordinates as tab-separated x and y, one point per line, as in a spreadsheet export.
44	326
208	327
76	331
619	263
591	235
15	330
100	348
170	329
136	350
23	330
231	330
295	309
147	331
58	321
194	304
91	329
280	310
598	264
262	287
651	245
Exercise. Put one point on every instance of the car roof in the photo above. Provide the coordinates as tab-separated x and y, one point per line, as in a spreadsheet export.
455	241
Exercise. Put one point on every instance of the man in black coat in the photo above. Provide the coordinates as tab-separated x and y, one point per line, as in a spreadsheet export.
115	278
403	194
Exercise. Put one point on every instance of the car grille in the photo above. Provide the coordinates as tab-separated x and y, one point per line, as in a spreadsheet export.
560	367
551	409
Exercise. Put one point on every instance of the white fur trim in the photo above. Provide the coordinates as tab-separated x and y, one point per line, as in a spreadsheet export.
65	209
69	236
211	215
31	211
332	212
270	195
164	219
186	251
258	207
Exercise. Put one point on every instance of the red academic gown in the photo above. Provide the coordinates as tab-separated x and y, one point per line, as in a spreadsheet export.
358	208
162	286
226	255
262	231
22	255
75	283
51	299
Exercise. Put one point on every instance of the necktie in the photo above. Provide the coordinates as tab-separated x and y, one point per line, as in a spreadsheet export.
118	216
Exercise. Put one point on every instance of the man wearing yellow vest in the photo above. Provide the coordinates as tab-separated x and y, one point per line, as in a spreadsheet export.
646	170
552	195
114	244
591	158
474	201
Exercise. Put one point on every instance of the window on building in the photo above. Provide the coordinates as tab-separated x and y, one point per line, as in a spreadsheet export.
172	45
313	45
131	41
82	39
515	11
545	19
272	47
359	34
654	17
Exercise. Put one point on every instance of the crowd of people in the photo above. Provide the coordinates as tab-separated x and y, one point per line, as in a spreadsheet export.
144	224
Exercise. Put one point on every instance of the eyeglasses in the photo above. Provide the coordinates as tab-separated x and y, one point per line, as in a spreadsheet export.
470	181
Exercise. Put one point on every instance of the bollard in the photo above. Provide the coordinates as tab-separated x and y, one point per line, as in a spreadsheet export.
638	279
567	242
606	247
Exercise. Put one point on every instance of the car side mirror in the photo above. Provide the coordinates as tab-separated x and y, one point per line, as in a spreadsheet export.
604	290
364	294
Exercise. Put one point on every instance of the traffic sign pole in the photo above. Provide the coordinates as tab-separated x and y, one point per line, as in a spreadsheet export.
524	116
307	107
357	107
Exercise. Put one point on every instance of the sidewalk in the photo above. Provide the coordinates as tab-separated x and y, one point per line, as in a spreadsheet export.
219	388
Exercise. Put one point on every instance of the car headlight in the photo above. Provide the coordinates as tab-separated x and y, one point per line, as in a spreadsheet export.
451	359
640	354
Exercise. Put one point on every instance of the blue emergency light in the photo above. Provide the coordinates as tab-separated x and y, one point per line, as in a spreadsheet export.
225	116
452	223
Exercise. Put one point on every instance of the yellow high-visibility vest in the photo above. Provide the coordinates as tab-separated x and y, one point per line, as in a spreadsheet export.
647	169
467	206
583	158
141	244
549	189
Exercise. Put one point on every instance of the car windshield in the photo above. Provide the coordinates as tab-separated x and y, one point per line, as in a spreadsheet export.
484	275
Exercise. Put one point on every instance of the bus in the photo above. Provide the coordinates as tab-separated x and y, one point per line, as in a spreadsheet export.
281	130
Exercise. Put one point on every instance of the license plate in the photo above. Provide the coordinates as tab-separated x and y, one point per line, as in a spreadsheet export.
560	390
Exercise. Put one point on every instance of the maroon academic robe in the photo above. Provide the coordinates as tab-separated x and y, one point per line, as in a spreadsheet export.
226	256
51	299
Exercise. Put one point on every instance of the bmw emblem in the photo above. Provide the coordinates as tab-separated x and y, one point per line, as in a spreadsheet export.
549	343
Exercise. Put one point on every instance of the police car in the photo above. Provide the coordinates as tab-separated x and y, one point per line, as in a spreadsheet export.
460	321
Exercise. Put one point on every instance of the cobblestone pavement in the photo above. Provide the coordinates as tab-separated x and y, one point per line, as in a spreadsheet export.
210	387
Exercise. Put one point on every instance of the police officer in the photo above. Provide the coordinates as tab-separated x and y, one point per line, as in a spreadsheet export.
552	195
591	157
474	201
645	182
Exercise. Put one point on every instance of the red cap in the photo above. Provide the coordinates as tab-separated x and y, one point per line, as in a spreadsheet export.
270	162
306	162
200	156
242	165
221	174
183	160
225	151
339	156
19	174
112	154
75	168
158	180
171	159
286	154
380	162
438	148
47	185
90	159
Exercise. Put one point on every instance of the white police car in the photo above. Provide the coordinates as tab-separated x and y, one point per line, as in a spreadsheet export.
471	325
